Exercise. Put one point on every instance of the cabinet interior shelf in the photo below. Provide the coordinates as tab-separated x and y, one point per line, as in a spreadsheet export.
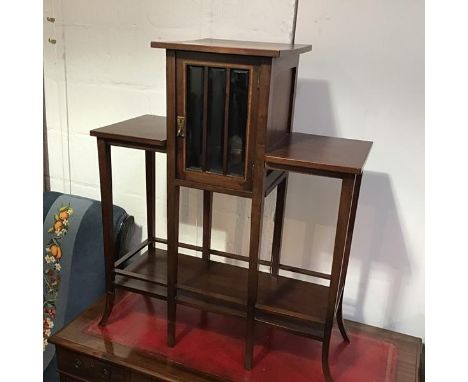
291	304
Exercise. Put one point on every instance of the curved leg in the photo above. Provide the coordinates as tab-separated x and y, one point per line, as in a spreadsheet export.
105	178
325	363
110	298
337	278
339	319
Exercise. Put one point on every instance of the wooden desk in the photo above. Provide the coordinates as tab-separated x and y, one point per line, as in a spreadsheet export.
88	357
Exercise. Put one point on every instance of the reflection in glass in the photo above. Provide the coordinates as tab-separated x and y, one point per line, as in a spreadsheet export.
237	120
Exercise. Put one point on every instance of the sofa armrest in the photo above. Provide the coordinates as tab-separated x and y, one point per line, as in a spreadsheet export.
74	271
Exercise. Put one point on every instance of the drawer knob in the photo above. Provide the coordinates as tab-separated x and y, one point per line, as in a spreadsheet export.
78	363
106	373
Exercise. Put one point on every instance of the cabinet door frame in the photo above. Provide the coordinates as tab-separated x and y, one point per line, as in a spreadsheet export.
184	59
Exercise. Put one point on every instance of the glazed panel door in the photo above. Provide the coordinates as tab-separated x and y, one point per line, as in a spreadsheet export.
215	99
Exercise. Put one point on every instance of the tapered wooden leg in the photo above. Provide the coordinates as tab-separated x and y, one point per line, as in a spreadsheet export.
258	179
344	213
254	252
207	219
325	362
172	257
344	267
105	178
339	320
203	318
278	225
173	192
110	299
150	197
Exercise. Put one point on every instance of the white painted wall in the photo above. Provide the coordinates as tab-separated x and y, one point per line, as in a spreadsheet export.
364	79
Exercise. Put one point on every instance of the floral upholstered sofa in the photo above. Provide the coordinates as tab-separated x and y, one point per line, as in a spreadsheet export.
73	261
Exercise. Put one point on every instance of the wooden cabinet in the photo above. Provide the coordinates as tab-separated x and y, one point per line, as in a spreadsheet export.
221	96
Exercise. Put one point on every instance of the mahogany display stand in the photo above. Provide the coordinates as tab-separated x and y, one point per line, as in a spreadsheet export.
228	129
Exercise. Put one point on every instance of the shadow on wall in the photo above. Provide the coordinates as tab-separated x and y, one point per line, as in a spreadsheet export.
379	249
313	112
379	261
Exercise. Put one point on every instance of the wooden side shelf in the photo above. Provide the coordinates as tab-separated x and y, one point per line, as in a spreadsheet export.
143	132
288	303
310	153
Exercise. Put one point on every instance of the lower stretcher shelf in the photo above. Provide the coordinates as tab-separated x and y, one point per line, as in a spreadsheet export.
291	304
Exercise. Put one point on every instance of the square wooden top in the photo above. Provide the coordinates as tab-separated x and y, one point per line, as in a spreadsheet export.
145	131
308	152
245	48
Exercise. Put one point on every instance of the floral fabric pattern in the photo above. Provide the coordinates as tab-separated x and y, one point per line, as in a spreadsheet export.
52	267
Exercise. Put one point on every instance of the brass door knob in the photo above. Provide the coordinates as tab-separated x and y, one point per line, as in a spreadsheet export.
78	363
180	126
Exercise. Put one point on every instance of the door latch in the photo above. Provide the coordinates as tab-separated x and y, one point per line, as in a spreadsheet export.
180	126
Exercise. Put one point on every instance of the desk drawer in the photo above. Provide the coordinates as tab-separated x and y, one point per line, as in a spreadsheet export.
88	368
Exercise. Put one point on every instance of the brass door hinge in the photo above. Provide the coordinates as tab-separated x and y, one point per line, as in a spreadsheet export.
180	126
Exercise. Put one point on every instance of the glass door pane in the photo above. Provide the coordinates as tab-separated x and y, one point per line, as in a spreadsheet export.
238	107
194	120
217	102
215	136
